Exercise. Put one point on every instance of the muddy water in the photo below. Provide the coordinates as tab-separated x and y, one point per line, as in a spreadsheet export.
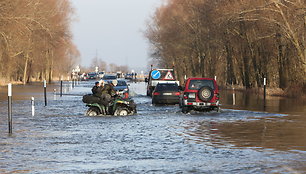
243	138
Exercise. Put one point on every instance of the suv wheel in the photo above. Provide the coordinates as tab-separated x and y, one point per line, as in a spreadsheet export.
206	93
218	109
185	109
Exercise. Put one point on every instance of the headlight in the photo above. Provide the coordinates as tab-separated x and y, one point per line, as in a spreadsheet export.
125	90
192	95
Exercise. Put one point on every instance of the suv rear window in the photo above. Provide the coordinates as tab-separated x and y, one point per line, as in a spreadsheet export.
121	83
166	87
197	84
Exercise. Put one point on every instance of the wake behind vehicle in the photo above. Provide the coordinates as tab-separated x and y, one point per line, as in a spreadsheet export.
117	107
200	94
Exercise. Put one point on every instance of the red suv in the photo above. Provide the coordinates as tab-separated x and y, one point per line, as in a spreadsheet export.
201	94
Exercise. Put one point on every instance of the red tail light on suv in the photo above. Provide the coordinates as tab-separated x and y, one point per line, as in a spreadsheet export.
201	94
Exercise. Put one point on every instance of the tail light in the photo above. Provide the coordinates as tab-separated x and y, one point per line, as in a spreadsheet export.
156	93
217	96
176	93
185	96
126	95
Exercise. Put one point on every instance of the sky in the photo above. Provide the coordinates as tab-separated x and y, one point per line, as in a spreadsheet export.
113	30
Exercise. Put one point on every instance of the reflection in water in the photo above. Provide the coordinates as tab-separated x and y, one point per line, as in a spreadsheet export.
263	133
255	102
259	130
25	92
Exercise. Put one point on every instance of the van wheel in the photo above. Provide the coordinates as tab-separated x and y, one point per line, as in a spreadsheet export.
93	111
153	102
149	93
122	111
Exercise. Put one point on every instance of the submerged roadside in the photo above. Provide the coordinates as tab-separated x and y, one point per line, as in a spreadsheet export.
293	92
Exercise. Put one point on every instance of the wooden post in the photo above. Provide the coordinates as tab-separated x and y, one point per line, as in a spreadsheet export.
234	96
10	119
33	106
61	94
265	90
45	92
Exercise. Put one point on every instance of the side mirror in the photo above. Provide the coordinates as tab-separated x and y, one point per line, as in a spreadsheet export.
146	79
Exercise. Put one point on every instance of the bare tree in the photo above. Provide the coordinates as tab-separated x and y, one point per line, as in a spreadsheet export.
35	36
240	41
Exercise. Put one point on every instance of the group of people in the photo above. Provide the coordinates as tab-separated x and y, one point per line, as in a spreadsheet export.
105	91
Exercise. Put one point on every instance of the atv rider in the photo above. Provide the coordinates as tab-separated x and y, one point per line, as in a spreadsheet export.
108	92
96	89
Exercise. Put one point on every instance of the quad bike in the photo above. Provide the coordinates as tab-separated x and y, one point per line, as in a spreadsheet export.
117	107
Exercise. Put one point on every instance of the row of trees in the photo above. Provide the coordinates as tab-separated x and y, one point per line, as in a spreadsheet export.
35	39
241	42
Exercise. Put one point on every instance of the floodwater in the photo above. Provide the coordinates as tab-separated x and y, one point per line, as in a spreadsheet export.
244	138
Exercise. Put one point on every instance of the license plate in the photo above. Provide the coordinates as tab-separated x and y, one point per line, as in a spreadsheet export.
167	93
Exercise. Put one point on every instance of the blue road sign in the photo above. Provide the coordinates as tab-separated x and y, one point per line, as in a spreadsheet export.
155	74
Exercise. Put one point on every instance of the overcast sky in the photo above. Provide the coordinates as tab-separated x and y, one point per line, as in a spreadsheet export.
113	29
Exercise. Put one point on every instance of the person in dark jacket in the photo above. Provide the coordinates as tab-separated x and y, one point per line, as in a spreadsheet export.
98	88
108	92
95	90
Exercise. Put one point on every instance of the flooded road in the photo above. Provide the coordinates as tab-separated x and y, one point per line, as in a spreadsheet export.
244	138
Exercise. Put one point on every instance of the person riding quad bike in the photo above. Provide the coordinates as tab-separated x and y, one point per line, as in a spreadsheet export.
108	92
97	89
109	103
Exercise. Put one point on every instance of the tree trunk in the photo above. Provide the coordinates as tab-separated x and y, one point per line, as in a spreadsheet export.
294	38
25	69
51	67
230	75
246	70
283	77
30	71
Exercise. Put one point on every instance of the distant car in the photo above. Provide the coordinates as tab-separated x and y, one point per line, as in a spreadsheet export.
166	93
101	74
109	77
92	75
122	87
83	77
200	94
128	76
